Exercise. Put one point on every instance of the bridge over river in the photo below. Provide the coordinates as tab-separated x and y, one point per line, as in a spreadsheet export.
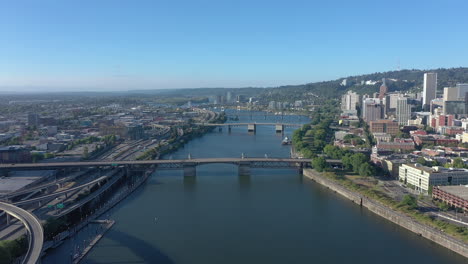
252	127
187	165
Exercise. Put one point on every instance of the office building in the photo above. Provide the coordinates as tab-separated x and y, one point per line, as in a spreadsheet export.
372	109
403	111
451	94
429	87
462	89
349	101
383	89
421	177
384	126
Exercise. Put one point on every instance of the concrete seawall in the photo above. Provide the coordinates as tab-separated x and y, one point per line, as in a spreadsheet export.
396	217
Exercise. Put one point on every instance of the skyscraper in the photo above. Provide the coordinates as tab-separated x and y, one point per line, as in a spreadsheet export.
430	87
383	89
462	89
349	101
403	111
372	109
451	94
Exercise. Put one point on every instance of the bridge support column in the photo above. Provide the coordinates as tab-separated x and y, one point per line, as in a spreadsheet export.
229	128
190	170
244	169
252	128
8	218
279	128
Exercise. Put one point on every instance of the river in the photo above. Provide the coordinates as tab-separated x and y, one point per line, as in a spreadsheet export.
272	216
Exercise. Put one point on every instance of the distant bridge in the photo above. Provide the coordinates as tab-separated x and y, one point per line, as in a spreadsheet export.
252	127
187	165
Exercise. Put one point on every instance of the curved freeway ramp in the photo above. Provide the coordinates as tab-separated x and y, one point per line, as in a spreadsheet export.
35	231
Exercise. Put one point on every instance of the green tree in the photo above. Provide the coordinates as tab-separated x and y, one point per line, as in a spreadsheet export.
319	164
347	162
421	161
409	202
366	170
458	163
358	159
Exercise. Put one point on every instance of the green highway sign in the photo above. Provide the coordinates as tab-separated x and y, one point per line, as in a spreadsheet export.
60	205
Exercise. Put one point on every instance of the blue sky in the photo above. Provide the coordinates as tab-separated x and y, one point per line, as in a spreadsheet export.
149	44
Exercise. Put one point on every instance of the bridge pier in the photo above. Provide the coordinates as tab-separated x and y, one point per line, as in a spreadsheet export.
8	218
244	169
229	128
252	128
279	128
190	170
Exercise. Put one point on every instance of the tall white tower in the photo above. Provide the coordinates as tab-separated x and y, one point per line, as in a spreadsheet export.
430	87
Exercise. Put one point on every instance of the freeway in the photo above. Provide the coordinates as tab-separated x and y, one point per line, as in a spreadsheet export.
152	162
35	231
40	187
48	196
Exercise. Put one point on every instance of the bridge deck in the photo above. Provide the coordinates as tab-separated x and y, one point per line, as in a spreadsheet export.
155	162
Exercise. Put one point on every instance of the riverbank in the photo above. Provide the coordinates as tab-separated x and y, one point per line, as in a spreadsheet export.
109	224
388	213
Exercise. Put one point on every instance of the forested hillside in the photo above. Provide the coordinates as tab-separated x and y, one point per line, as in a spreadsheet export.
404	80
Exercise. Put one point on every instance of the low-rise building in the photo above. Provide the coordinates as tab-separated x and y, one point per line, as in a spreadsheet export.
456	196
384	126
14	154
421	178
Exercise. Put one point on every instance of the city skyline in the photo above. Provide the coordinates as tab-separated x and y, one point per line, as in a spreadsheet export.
109	47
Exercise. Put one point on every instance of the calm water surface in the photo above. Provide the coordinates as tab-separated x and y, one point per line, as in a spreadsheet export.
272	216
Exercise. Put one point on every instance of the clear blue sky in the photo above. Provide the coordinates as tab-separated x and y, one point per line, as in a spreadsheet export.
150	44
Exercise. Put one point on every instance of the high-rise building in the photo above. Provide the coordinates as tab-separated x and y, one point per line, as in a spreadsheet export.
429	87
403	111
349	101
383	89
393	100
462	89
229	97
452	94
372	109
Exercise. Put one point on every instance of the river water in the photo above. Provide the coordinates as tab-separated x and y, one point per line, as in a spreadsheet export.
272	216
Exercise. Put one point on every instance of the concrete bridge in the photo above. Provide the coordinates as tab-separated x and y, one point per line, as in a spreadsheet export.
187	165
34	230
252	127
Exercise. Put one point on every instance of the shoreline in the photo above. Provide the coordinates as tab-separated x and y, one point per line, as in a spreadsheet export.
395	217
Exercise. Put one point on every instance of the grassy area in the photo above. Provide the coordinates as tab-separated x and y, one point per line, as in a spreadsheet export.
12	249
374	192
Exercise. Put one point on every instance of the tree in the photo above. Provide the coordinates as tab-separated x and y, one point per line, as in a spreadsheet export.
366	170
458	163
356	160
421	161
333	151
319	164
408	201
347	163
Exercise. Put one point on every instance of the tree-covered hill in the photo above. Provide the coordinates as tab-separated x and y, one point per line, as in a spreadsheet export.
403	80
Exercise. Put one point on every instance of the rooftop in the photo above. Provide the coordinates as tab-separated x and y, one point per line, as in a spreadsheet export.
460	190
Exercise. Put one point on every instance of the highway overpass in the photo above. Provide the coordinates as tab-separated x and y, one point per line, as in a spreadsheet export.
34	230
